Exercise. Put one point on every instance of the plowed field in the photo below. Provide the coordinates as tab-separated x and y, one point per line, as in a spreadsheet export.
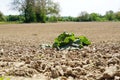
21	57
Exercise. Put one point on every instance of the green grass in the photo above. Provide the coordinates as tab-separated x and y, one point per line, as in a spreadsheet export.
10	22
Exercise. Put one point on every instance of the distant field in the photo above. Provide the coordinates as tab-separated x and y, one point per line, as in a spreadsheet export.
45	33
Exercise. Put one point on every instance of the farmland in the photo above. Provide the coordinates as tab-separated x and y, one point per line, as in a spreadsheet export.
37	33
20	54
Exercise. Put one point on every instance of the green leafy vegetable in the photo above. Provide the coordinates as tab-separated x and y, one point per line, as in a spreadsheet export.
84	40
69	39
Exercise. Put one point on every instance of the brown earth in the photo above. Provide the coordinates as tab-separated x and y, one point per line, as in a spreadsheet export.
21	55
37	33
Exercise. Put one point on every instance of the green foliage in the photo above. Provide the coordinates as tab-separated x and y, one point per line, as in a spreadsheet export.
2	18
110	16
52	19
94	17
36	10
29	12
84	16
64	39
43	18
17	18
69	18
84	41
117	15
3	78
69	39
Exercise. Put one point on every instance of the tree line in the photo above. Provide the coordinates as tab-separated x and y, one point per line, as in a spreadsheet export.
83	17
48	11
109	16
86	17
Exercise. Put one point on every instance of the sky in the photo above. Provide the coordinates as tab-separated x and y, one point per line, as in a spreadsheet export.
73	7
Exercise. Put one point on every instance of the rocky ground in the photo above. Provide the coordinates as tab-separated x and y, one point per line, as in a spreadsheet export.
21	57
99	61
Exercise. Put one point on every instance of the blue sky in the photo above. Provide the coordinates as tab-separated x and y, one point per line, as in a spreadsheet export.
73	7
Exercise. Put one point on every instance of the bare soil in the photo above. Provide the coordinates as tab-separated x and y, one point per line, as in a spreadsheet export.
21	57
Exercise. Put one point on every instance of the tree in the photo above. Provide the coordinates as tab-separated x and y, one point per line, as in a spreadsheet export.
52	19
19	18
2	18
94	17
110	15
84	16
41	10
36	10
29	11
46	8
117	15
26	7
